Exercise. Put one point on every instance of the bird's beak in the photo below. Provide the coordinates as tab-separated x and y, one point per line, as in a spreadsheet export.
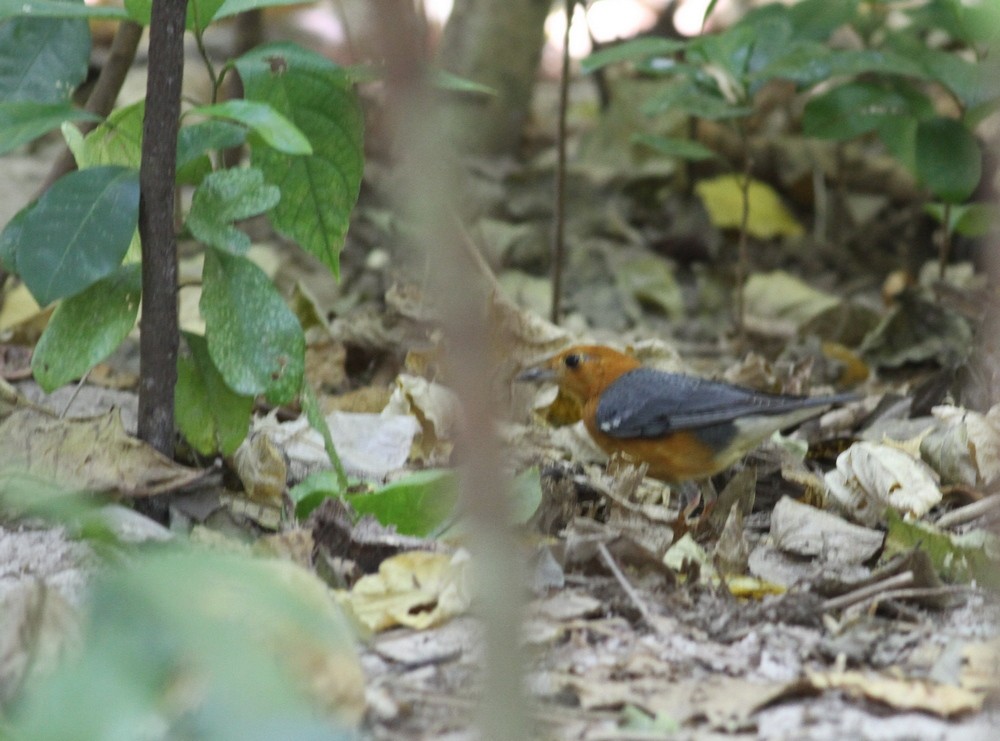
537	373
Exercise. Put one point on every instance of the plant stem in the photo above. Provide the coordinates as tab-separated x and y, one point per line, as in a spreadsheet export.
743	257
945	251
559	227
160	336
209	67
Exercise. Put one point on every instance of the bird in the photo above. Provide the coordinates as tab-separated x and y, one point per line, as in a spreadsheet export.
684	427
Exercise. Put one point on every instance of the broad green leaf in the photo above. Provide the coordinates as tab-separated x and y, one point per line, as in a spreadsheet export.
688	98
87	328
728	52
117	141
634	50
262	639
234	7
193	142
309	493
815	20
857	108
276	130
674	147
972	83
58	9
24	121
948	158
212	417
42	59
318	192
253	337
77	232
417	505
10	238
899	134
227	196
199	12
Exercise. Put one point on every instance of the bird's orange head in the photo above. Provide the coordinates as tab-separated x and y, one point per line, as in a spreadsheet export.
582	371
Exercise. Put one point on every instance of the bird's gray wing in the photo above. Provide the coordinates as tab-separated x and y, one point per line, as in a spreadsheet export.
647	403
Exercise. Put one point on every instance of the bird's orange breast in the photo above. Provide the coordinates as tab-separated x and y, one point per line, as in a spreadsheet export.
674	457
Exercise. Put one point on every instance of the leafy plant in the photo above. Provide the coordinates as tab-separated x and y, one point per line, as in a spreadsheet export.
894	101
77	243
880	89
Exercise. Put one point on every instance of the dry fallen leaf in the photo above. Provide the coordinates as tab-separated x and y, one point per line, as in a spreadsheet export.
90	454
436	407
416	589
369	445
261	466
944	700
871	477
980	435
806	531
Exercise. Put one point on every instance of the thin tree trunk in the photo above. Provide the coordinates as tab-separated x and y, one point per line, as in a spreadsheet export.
159	339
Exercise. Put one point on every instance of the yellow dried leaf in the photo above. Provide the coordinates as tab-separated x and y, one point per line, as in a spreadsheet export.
902	694
768	218
416	589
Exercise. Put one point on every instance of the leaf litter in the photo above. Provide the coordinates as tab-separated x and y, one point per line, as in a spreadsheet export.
840	603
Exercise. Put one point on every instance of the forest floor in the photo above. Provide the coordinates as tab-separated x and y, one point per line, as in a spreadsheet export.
753	615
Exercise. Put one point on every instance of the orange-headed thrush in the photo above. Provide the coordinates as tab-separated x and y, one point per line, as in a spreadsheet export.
683	426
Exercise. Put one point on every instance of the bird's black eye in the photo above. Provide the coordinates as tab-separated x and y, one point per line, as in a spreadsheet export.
572	361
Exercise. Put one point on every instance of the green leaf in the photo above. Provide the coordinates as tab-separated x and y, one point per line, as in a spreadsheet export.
417	504
58	9
10	238
949	161
276	130
227	196
956	558
634	50
253	337
24	121
78	231
675	147
527	495
687	98
41	59
729	52
212	417
193	142
255	635
972	83
117	141
87	328
969	220
199	12
899	134
815	20
235	7
318	486
318	192
197	139
857	108
448	81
